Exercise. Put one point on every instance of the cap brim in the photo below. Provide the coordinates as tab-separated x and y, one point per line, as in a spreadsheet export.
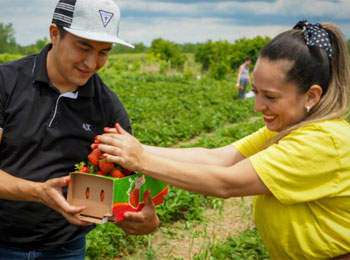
100	37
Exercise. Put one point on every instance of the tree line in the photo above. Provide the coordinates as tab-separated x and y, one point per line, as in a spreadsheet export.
217	57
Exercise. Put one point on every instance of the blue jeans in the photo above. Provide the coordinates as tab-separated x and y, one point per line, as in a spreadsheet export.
74	250
243	83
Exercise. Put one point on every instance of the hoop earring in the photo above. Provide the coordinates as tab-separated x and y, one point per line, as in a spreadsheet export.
308	109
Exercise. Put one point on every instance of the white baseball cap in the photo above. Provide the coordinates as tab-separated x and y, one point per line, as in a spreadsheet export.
96	20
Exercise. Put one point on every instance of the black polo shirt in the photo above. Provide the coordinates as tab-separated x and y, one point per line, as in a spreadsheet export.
44	135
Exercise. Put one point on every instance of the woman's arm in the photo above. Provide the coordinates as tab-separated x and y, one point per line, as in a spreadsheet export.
225	182
221	181
223	156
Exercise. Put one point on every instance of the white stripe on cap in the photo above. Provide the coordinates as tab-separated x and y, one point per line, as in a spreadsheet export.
63	18
66	7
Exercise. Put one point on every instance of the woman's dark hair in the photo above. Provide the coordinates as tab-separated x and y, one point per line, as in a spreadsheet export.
311	65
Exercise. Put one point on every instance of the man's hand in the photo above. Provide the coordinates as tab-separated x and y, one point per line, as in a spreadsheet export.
50	194
143	222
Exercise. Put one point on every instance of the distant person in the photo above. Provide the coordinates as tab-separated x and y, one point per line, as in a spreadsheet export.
298	165
243	77
52	105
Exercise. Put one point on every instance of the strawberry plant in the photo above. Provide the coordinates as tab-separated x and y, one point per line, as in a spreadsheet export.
246	246
165	110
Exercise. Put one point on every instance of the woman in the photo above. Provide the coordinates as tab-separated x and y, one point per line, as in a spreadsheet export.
298	164
243	77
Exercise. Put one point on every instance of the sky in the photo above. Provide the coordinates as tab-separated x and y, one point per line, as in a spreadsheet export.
186	21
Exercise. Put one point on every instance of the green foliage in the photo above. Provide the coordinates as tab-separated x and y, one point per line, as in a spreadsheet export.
6	57
227	134
203	53
221	56
169	52
246	246
220	60
7	38
247	48
107	241
8	42
181	204
121	49
165	110
188	47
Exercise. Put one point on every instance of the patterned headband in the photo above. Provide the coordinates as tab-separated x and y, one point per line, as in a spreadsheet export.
315	35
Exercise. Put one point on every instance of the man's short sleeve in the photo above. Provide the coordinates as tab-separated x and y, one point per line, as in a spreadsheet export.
303	166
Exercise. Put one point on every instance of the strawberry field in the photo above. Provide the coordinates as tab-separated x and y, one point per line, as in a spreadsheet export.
179	96
175	110
181	109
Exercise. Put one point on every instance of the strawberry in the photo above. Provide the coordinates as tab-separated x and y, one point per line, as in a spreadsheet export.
84	169
117	174
100	173
81	167
105	166
94	156
126	172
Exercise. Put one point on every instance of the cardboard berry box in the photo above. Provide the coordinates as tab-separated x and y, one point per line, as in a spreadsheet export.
108	198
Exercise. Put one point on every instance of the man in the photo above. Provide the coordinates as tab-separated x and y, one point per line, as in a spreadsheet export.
52	105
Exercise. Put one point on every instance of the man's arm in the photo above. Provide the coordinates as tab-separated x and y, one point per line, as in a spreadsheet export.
143	222
48	193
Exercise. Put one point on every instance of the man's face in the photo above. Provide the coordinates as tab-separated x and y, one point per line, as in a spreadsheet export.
75	59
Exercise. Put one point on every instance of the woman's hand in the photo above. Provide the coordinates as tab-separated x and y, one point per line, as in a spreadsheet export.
121	147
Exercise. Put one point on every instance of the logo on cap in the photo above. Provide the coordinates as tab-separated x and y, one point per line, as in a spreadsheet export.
106	17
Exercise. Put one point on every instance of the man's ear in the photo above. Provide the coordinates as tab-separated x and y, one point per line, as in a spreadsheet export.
313	95
54	34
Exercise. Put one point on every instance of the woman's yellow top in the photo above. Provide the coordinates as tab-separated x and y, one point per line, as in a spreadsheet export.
308	173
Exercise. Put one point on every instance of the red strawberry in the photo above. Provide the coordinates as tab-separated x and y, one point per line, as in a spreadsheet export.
105	166
126	172
81	167
84	169
117	174
100	173
94	156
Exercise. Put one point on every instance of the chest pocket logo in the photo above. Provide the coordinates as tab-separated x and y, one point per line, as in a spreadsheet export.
87	127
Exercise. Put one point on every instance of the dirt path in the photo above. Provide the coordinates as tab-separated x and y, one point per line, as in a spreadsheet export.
181	240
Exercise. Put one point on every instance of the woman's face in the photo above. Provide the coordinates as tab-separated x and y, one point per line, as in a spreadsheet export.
278	100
